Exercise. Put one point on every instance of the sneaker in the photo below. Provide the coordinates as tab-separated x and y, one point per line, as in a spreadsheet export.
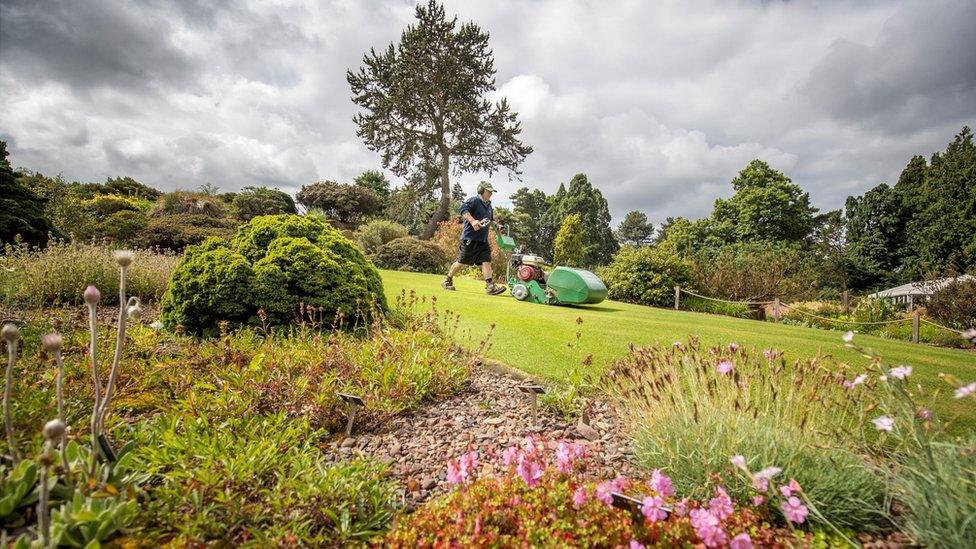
494	289
448	284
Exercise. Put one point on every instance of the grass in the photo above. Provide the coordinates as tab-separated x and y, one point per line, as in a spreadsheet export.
536	338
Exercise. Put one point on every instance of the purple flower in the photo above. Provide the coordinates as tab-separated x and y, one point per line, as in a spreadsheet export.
884	423
848	337
92	295
758	500
529	470
733	347
789	489
565	457
966	390
760	484
857	381
468	463
454	473
740	462
510	455
681	508
721	504
651	508
794	510
579	497
901	372
603	493
924	413
619	484
708	527
662	484
634	544
742	541
724	367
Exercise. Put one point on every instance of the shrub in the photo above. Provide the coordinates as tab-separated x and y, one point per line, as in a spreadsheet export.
955	304
699	305
105	205
211	283
568	249
411	254
122	226
274	264
179	202
257	480
874	310
254	201
689	418
176	232
59	274
346	204
753	271
645	275
374	234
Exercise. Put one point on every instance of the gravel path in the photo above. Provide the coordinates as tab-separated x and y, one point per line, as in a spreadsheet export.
489	415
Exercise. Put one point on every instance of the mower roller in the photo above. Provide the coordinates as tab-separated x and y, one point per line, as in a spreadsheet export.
560	286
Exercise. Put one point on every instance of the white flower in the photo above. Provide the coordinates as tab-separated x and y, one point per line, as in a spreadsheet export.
969	334
740	462
769	472
901	372
859	380
848	337
884	423
966	390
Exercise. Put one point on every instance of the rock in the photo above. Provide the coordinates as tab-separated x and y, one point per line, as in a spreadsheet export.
348	442
495	421
588	432
429	483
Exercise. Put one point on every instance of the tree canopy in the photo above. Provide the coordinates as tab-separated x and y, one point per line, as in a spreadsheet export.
586	200
21	209
424	103
634	229
346	204
254	201
569	243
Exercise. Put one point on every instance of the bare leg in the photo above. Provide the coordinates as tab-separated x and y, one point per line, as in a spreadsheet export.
486	271
455	267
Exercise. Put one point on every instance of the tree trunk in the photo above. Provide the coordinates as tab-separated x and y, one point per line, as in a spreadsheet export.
441	213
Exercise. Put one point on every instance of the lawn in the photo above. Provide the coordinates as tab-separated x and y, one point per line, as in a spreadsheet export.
535	338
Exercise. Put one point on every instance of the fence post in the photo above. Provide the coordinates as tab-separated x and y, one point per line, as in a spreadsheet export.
776	309
915	327
847	302
677	297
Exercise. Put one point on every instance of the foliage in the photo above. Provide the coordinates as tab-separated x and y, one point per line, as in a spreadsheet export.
126	186
645	275
176	232
634	229
257	481
122	226
370	236
448	237
21	209
59	274
766	206
374	181
87	520
411	254
254	201
955	304
17	489
737	310
568	247
875	230
586	200
425	104
346	204
529	208
797	417
103	205
185	202
874	310
753	271
254	237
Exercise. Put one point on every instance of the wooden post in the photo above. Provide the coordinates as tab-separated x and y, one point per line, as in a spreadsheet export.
847	302
677	297
776	309
915	327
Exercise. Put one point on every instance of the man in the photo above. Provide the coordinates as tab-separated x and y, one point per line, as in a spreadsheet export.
477	213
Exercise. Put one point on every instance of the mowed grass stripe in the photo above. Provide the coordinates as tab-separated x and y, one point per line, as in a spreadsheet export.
535	338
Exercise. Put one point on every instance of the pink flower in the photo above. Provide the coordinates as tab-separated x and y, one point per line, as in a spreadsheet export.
619	484
721	504
454	473
740	462
760	484
742	541
603	493
924	413
758	500
794	510
468	463
634	544
681	508
579	497
724	367
677	345
901	372
884	423
529	470
966	390
565	457
510	455
651	508
789	489
662	484
733	347
708	528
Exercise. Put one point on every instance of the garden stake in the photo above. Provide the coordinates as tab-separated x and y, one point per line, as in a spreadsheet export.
354	403
534	391
10	334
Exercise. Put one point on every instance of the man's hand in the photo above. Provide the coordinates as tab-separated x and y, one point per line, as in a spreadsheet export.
476	225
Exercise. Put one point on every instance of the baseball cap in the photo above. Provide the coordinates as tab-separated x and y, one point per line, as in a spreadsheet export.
485	186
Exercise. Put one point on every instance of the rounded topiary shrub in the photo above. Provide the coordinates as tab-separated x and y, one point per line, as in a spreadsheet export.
410	254
211	283
645	275
289	260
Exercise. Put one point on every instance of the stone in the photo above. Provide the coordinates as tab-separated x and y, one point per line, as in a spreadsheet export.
348	442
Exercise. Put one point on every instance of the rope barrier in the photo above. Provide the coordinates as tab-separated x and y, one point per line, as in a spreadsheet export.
941	326
875	323
726	300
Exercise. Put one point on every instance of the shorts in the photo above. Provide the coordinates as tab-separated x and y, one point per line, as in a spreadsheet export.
474	252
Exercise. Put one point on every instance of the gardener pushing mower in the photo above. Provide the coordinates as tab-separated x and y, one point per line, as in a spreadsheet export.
478	215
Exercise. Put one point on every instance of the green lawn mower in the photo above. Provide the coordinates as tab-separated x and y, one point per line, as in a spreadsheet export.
560	286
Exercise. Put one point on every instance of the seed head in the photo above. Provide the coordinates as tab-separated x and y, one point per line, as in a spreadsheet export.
124	257
92	295
52	342
10	333
54	429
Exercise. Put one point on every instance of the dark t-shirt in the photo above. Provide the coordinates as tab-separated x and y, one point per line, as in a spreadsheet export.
479	209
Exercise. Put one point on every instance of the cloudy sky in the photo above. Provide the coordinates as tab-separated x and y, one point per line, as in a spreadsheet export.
659	103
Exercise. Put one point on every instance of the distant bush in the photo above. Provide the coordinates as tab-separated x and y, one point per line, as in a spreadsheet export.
955	304
347	205
122	226
370	236
103	206
60	273
176	232
179	202
273	264
568	249
874	310
699	305
411	254
254	201
753	271
645	275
